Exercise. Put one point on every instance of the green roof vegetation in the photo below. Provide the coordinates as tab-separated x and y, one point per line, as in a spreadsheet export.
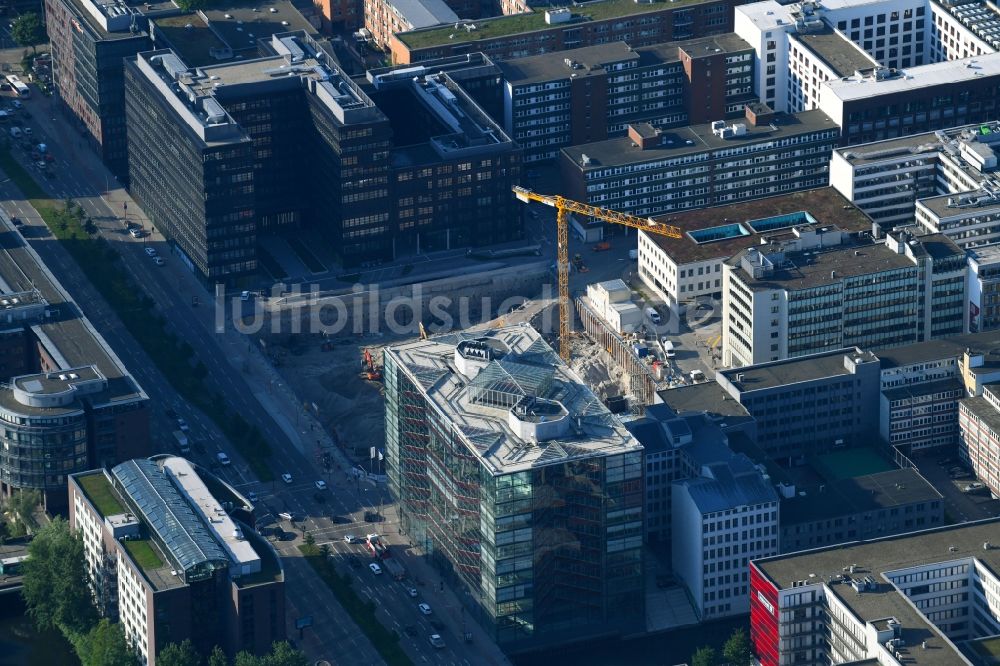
99	490
511	25
143	554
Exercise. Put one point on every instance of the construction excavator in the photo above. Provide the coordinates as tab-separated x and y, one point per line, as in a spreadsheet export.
369	370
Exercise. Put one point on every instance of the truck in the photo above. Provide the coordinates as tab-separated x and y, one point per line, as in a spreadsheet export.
182	442
394	567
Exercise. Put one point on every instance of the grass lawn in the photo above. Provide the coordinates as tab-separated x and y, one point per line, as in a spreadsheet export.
306	255
98	489
363	613
174	357
143	554
510	25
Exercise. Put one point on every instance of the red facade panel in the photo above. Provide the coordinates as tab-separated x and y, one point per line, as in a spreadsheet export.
763	617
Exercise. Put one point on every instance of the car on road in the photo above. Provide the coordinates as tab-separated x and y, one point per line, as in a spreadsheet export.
182	425
150	252
252	496
973	487
341	520
653	315
135	233
245	296
286	477
412	592
350	538
290	515
376	569
158	261
222	458
321	485
425	609
436	641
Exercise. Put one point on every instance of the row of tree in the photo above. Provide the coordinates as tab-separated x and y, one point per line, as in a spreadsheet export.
735	651
57	596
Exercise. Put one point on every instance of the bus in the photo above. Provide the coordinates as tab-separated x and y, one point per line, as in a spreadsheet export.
19	86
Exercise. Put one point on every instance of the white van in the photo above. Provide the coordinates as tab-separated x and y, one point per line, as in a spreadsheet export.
653	315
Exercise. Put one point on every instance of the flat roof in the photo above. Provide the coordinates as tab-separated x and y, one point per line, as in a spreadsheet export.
819	267
982	408
246	26
870	492
424	13
480	408
708	398
67	335
942	208
826	205
549	66
917	78
922	388
840	54
501	26
794	370
986	342
197	45
956	543
693	139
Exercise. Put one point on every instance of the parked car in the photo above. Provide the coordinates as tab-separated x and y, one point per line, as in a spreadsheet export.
376	569
181	423
150	252
974	487
290	516
135	232
425	609
412	592
350	538
436	641
321	485
653	315
286	477
158	261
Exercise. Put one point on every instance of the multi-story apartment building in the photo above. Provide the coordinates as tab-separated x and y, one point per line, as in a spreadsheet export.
683	270
592	93
172	556
90	40
723	518
67	402
979	435
384	18
859	508
384	183
519	482
904	599
544	29
832	289
657	172
808	405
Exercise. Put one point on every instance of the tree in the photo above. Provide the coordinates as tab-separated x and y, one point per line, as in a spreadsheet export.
737	648
105	645
55	581
179	654
282	654
704	656
218	657
27	30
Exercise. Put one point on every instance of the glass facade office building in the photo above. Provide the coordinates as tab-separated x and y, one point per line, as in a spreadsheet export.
543	533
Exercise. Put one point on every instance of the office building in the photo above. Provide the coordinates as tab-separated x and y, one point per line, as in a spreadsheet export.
519	483
682	270
984	288
67	403
660	172
953	168
858	508
532	31
808	405
880	70
904	599
826	289
722	519
979	435
591	93
415	177
171	556
90	39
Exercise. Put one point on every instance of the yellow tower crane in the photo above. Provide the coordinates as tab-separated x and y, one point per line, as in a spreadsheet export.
563	208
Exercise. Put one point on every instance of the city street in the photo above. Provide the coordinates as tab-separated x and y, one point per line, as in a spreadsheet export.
254	389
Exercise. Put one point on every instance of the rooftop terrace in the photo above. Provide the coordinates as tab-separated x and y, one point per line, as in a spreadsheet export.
502	26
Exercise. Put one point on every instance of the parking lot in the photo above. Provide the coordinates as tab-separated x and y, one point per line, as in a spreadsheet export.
960	506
